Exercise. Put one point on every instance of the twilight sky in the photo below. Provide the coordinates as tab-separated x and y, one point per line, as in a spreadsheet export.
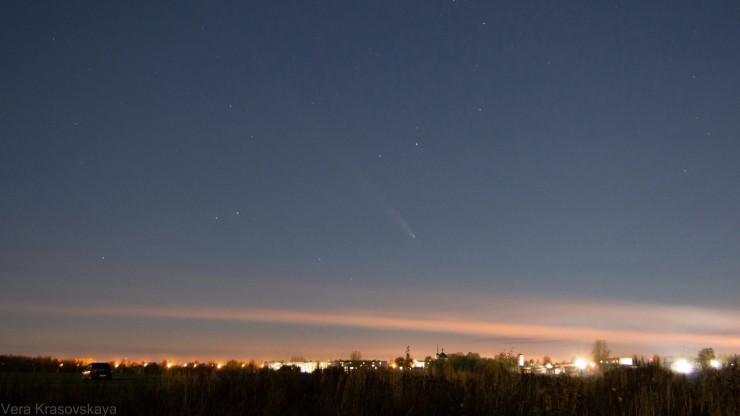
272	179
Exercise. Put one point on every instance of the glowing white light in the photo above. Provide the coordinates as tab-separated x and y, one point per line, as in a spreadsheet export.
714	363
682	366
581	363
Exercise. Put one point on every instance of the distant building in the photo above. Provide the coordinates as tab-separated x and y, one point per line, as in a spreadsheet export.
311	366
349	365
618	362
304	366
626	361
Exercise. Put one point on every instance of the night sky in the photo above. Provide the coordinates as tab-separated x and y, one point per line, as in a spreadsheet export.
215	180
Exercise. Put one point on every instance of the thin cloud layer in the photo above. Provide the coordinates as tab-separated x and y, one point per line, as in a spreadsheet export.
639	335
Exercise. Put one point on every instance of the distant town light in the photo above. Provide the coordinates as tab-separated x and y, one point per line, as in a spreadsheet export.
715	363
626	361
682	366
581	363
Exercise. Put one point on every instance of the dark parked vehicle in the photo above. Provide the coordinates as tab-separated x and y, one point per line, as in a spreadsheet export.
97	371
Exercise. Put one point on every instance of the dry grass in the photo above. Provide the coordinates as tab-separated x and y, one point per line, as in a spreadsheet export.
642	391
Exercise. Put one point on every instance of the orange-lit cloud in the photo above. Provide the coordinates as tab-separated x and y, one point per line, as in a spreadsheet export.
637	335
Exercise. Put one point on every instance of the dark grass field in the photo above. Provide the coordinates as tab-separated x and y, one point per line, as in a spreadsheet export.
638	391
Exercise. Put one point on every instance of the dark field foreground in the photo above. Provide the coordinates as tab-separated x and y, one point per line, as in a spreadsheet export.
497	391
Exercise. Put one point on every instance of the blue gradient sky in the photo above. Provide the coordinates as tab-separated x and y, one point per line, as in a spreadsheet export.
489	163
